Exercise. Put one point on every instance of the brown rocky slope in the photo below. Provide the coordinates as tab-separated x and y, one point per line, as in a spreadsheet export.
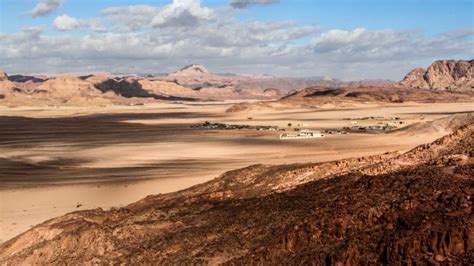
443	75
391	208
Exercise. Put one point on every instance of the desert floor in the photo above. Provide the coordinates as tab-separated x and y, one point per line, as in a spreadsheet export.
58	160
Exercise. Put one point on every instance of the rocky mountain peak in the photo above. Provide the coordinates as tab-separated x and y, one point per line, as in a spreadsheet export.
194	69
442	75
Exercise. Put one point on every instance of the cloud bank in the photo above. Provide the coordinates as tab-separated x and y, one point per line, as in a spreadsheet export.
157	39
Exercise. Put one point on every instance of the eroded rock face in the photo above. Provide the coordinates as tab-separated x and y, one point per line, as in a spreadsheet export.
443	75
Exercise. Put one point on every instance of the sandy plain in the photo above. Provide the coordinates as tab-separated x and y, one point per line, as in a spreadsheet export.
58	160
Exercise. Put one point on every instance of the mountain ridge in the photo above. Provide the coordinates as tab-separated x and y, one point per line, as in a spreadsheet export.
443	75
196	82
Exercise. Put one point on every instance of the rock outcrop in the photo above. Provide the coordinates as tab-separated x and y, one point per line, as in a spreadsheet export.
416	78
192	70
443	75
3	76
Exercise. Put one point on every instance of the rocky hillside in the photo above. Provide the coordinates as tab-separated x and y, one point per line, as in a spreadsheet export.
196	82
443	75
61	90
394	208
91	90
191	83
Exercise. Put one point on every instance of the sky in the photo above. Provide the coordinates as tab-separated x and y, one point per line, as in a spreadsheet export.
344	39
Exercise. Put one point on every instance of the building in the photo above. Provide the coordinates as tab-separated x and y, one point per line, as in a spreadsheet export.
302	134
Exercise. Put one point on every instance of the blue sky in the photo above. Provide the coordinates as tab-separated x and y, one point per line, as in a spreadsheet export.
429	16
340	38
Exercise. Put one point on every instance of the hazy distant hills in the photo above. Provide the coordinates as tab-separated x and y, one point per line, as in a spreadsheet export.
192	82
197	77
196	83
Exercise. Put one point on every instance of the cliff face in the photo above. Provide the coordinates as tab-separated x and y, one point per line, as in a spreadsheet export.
412	208
443	75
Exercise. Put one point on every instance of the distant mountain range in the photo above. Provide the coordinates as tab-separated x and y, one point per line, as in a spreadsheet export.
196	83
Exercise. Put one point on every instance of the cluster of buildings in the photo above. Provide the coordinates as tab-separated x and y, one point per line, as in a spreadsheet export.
222	126
373	118
335	132
367	118
386	127
302	134
382	126
389	125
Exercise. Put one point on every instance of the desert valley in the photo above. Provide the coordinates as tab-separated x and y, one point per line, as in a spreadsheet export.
82	147
149	133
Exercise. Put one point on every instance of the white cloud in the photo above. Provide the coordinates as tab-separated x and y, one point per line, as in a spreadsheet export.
33	30
179	13
247	3
44	7
65	23
362	45
131	18
182	13
337	38
68	23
